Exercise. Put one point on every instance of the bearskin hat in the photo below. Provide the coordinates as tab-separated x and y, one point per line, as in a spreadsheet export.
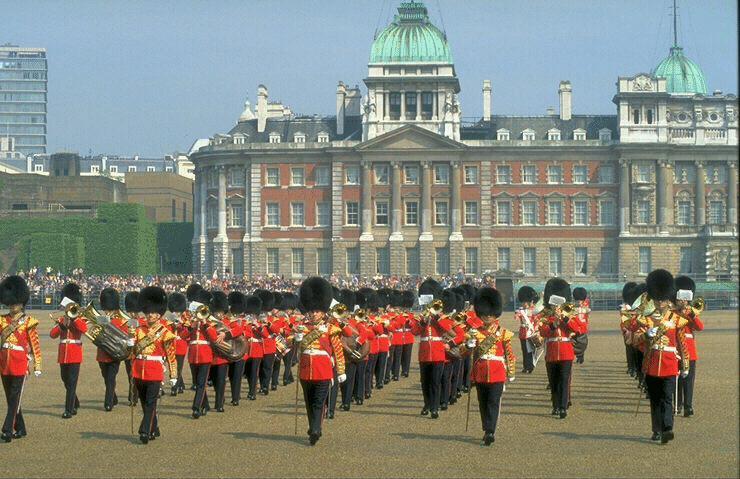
236	302
347	298
278	301
469	292
131	302
14	290
684	282
408	298
203	297
110	300
336	293
579	293
253	305
219	302
268	300
430	286
396	298
527	294
635	293
73	292
450	300
488	302
152	299
290	301
557	287
384	297
660	285
627	292
371	299
316	294
192	291
177	302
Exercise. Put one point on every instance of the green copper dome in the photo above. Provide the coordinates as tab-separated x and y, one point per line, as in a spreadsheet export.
681	74
411	38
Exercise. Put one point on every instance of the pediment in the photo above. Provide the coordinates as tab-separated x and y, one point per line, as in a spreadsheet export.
410	137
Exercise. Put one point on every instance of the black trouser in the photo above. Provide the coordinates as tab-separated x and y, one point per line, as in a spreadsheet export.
660	391
348	386
275	371
180	385
466	368
446	382
457	376
358	392
380	368
70	374
639	356
148	396
252	369
218	376
236	372
394	362
431	384
406	358
200	378
314	395
109	371
372	360
686	388
266	371
527	355
489	402
630	358
288	365
333	393
13	386
558	374
132	394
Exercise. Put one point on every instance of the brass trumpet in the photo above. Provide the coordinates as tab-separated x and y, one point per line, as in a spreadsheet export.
698	305
202	313
339	312
73	311
361	315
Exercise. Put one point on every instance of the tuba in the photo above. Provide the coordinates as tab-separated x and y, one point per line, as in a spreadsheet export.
104	334
232	349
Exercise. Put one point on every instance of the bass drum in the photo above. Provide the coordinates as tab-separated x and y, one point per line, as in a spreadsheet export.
233	349
110	339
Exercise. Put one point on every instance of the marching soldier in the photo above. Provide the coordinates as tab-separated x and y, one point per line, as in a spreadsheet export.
686	288
200	355
402	340
583	308
19	340
318	350
110	302
527	298
190	294
236	368
219	307
493	360
152	344
290	304
255	333
268	340
131	305
625	322
177	305
69	328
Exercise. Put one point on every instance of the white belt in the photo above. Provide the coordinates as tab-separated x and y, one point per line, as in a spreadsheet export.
558	339
199	341
385	336
315	352
430	338
492	357
667	349
146	357
71	341
14	347
690	336
252	340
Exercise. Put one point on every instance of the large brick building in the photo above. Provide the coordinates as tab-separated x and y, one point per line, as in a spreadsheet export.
396	183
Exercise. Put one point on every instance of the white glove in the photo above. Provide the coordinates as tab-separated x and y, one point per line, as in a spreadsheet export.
684	374
511	379
341	378
298	337
471	343
652	332
130	342
323	328
37	374
173	381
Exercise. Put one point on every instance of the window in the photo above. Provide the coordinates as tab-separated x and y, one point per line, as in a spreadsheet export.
580	212
441	174
471	212
471	260
644	264
643	212
554	174
352	175
554	213
553	135
636	116
442	256
299	138
151	169
440	213
606	174
716	213
297	177
381	213
471	175
211	216
173	210
353	260
503	174
503	135
272	213
580	174
297	261
273	261
503	212
132	169
236	177
213	179
579	134
111	168
556	261
607	212
237	216
410	105
412	213
323	138
274	138
529	212
383	261
352	209
394	106
528	135
530	261
93	168
322	175
413	266
427	101
273	177
608	261
323	213
381	174
504	259
39	168
686	260
605	134
297	217
581	261
411	174
529	174
323	261
683	216
649	117
643	173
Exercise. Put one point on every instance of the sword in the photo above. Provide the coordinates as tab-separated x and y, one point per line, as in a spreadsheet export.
295	431
467	413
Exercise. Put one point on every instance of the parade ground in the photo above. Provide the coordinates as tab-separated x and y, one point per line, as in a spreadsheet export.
603	435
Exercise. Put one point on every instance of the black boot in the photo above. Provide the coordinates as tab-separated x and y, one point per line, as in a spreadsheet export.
666	437
655	436
488	439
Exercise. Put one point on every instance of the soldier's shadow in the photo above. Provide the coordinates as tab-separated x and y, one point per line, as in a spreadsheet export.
245	436
437	437
599	437
106	436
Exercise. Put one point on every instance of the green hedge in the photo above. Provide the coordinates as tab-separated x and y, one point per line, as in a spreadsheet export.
61	251
174	248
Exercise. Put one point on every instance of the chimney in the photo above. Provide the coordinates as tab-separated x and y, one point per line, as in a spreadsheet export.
261	108
551	111
565	91
341	95
486	100
353	102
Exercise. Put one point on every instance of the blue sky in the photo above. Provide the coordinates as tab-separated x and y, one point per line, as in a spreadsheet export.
148	78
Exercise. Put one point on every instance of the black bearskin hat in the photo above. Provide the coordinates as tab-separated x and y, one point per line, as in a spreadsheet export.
236	302
177	303
488	302
131	302
396	299
430	286
316	294
579	293
192	291
347	298
253	305
14	290
290	301
450	300
627	292
635	293
684	282
110	300
203	297
527	294
469	292
268	300
557	287
219	302
372	300
408	298
278	301
72	291
660	285
152	299
336	293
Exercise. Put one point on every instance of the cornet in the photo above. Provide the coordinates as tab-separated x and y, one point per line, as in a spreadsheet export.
339	312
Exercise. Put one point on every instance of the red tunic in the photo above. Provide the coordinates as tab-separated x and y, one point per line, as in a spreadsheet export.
498	362
256	346
664	353
199	344
431	342
236	331
695	324
371	336
20	345
382	333
559	341
120	323
70	343
317	359
149	362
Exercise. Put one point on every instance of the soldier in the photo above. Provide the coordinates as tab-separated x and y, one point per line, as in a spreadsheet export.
583	309
236	368
152	345
190	293
290	304
686	288
527	298
402	340
256	333
268	340
69	328
131	305
19	340
219	307
110	302
318	349
625	321
493	360
200	355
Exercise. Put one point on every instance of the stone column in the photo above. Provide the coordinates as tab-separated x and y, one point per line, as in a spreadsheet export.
418	105
196	243
221	241
403	105
366	202
732	193
624	197
701	195
426	202
396	206
664	192
456	206
247	220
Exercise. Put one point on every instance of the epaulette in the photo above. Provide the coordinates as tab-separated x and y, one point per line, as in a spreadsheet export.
334	330
507	335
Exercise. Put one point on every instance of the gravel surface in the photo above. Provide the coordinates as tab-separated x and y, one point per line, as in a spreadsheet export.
386	437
